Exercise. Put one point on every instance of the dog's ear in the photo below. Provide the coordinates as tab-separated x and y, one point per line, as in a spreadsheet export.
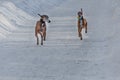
39	15
49	21
81	11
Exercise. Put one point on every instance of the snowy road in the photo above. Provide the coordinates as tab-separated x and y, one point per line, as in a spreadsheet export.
63	56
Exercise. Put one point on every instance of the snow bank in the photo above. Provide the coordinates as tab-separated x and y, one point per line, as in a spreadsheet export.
15	13
11	17
34	7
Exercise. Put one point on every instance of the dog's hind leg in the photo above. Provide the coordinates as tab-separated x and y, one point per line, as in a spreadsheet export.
44	35
41	39
37	40
86	28
80	36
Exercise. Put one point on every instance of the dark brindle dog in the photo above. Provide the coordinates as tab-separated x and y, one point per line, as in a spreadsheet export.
82	23
40	28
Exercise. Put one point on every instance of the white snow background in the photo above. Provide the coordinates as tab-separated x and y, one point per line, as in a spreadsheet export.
63	56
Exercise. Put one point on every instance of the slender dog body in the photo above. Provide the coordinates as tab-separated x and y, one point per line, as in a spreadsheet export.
40	28
82	23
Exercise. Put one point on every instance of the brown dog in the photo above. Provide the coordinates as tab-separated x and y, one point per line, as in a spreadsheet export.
82	23
40	28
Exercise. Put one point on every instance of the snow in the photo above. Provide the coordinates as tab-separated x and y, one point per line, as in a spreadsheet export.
63	56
